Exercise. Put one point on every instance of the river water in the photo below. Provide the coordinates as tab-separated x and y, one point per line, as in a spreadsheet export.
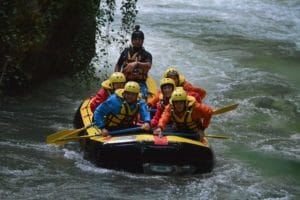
245	52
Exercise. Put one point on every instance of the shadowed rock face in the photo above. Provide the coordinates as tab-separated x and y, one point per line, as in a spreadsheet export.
44	39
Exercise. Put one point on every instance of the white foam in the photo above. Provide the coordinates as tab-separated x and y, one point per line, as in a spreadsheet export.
18	144
295	136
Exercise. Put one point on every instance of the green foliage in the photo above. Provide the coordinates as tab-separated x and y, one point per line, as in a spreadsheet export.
129	13
43	39
23	29
106	35
25	24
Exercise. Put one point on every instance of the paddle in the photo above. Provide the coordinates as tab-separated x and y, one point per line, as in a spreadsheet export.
64	140
151	84
117	132
64	134
193	135
58	141
225	109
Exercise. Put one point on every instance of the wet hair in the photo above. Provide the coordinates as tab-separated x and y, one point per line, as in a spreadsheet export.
137	33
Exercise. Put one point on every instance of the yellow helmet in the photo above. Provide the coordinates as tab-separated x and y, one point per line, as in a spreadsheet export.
166	81
106	84
178	95
171	72
132	86
117	77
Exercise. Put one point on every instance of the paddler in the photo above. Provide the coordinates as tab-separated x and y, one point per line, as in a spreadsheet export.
186	114
180	81
161	99
121	109
116	81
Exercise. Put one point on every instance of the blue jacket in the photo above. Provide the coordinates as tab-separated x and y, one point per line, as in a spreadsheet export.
113	106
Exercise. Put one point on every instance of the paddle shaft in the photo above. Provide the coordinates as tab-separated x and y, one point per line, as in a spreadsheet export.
117	132
65	134
192	135
111	133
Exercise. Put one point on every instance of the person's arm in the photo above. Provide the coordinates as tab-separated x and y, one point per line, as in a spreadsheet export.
146	63
99	114
165	117
117	68
121	61
202	113
100	97
119	64
162	123
189	87
110	106
146	66
158	113
145	115
130	66
153	101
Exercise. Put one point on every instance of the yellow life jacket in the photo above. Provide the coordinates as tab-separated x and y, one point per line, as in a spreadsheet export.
134	57
185	123
126	118
107	84
135	74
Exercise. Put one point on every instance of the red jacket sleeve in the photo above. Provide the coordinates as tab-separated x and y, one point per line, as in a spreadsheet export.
165	117
153	101
188	87
202	113
100	97
196	95
158	113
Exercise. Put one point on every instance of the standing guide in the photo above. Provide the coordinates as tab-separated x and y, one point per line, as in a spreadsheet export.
135	61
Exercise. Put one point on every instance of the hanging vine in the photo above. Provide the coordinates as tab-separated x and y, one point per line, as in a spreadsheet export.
107	36
129	13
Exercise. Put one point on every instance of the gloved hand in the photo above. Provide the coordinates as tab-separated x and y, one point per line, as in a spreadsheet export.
157	131
201	134
146	126
154	122
130	66
104	132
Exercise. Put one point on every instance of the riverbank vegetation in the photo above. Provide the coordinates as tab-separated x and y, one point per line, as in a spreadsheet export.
42	40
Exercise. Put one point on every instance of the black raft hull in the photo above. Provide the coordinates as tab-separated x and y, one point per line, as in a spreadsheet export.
144	153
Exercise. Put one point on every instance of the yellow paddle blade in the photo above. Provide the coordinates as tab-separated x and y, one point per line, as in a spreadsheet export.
65	140
51	139
151	84
225	109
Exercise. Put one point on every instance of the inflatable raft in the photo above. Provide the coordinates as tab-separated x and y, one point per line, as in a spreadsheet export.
142	152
